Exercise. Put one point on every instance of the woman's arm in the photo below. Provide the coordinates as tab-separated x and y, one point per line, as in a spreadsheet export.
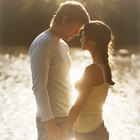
86	85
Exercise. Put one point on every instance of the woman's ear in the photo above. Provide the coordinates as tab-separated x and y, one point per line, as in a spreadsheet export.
65	20
92	44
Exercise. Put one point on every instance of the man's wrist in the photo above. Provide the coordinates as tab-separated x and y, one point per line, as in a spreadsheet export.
49	124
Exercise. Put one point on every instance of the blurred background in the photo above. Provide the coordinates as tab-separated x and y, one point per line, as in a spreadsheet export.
22	20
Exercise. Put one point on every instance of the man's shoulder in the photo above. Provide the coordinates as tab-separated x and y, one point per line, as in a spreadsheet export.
63	43
42	39
41	43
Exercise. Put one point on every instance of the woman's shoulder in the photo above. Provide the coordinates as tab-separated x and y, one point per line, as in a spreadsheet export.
93	68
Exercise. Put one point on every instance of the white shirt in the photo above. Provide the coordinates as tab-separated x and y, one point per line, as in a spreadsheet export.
50	65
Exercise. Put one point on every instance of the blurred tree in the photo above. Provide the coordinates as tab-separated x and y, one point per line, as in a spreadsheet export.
22	20
122	16
9	18
37	18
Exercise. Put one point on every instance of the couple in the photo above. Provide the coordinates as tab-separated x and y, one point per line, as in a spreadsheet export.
50	65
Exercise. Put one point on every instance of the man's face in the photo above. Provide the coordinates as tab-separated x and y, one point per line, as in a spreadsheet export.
71	30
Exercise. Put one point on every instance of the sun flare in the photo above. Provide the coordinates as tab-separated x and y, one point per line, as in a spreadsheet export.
75	76
82	59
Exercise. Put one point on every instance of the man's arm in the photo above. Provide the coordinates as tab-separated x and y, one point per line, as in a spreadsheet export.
40	56
54	132
40	64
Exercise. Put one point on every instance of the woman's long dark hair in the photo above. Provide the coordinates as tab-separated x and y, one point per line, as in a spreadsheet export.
100	33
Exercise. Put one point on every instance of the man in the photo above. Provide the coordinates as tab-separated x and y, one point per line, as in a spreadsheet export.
50	63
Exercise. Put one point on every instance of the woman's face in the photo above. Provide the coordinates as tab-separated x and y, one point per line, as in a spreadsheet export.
86	44
83	42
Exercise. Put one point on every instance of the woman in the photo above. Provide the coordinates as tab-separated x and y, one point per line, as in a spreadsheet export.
86	113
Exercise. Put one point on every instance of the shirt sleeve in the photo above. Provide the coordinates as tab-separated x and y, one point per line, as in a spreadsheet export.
40	56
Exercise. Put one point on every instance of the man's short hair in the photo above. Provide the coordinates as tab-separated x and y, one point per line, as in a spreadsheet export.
74	11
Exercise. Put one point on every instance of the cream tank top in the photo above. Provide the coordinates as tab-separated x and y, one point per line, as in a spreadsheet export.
90	116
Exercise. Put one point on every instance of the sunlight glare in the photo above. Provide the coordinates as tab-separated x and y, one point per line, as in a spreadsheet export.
75	76
77	70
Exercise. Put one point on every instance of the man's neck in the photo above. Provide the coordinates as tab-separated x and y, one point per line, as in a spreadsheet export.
56	31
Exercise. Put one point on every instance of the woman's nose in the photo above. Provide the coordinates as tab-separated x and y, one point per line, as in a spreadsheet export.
81	39
77	33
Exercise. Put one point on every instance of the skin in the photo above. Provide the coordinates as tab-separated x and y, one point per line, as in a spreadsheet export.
93	76
66	31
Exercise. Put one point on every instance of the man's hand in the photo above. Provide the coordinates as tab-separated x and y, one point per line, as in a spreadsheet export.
54	132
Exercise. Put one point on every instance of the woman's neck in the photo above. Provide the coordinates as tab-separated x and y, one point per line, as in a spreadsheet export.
96	58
